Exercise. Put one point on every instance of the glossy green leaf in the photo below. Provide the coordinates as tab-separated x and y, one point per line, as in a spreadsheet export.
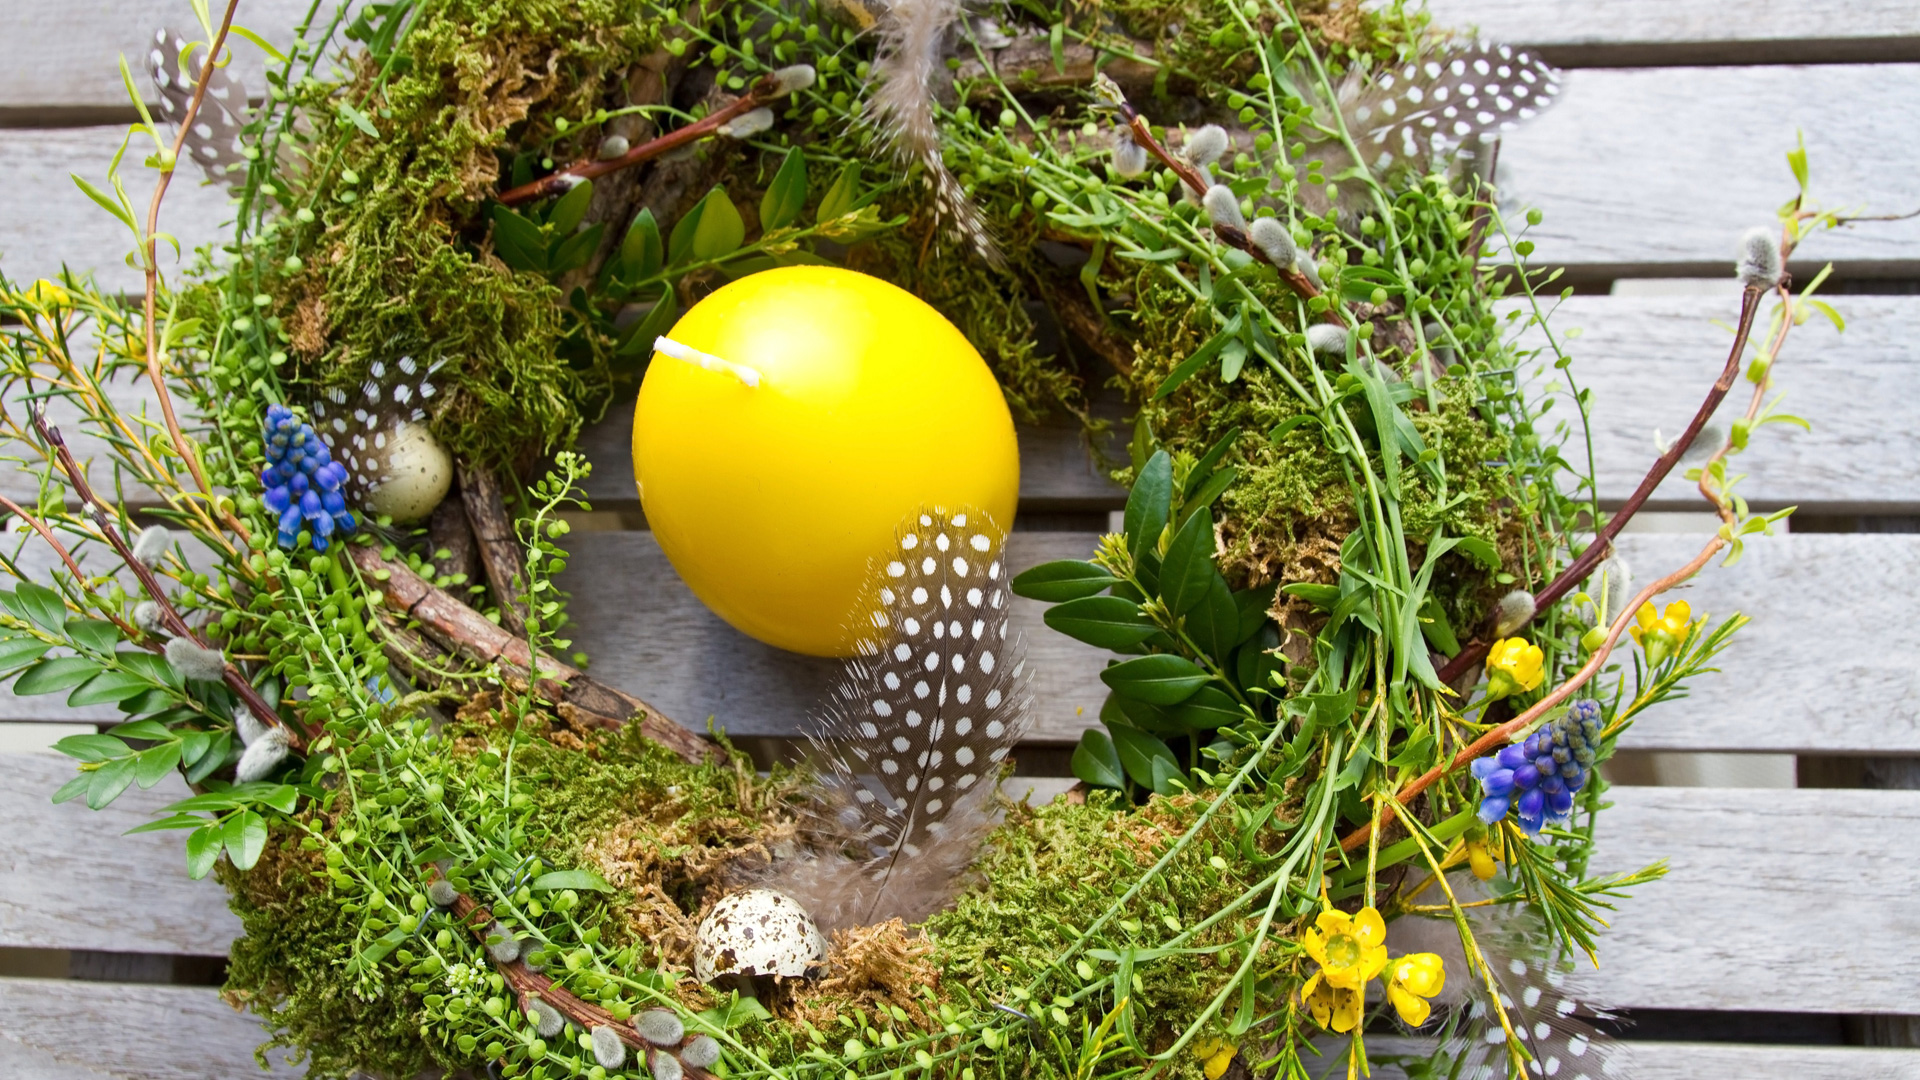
1322	597
108	687
73	788
1255	662
1187	572
92	747
659	319
38	605
720	231
570	879
1108	622
1255	606
786	195
1061	579
1481	551
1214	487
216	756
571	210
842	198
94	635
203	849
518	242
1214	623
155	668
1097	762
1147	759
154	763
641	252
283	797
1208	462
16	651
680	241
1120	710
1161	679
176	821
245	837
573	252
206	800
109	780
1149	504
1209	708
59	673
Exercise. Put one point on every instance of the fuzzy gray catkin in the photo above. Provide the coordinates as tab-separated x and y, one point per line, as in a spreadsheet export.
611	147
1274	240
608	1050
1207	145
659	1027
664	1066
1514	611
1223	208
793	78
152	544
1129	157
504	947
701	1053
747	124
194	662
260	759
1327	338
247	726
1759	264
546	1019
146	616
442	893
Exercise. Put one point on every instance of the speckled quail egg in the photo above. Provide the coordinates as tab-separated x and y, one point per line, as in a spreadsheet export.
416	472
757	932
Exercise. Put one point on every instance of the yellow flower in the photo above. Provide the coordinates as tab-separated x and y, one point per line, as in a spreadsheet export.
1513	665
1416	977
1662	633
1215	1055
47	295
1481	858
1350	949
1333	1007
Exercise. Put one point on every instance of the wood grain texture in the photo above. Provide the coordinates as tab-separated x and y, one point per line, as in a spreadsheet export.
1650	360
61	1030
1795	681
1679	1060
1656	172
70	880
1631	33
64	58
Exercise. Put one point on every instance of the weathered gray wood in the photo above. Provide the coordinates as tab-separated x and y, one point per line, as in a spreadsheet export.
1797	680
1689	1061
70	880
61	1030
65	57
1656	172
1650	360
1631	33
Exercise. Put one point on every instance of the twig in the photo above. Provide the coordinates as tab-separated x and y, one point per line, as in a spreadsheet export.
467	632
563	181
1476	651
155	375
65	557
500	553
528	983
171	618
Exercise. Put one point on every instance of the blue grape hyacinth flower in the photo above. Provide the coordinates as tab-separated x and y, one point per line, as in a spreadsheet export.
1536	780
302	481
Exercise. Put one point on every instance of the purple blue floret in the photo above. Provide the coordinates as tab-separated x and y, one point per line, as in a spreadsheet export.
1536	780
302	482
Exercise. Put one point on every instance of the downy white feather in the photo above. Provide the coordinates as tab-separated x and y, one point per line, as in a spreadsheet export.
913	734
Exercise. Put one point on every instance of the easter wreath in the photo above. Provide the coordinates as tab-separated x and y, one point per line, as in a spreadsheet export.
463	226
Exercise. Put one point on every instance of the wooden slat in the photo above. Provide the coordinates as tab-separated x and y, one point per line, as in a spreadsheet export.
61	1030
66	59
70	880
1632	33
1650	360
1647	1060
1784	686
1657	172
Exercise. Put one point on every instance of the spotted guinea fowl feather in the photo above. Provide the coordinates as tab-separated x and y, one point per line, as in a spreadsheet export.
914	731
215	138
359	426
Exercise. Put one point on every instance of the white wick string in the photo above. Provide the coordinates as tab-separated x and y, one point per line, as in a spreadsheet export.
670	347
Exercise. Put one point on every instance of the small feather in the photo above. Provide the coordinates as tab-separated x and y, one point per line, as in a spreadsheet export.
914	732
359	426
214	141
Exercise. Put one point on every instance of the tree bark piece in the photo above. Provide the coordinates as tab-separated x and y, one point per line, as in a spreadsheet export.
449	531
500	553
458	627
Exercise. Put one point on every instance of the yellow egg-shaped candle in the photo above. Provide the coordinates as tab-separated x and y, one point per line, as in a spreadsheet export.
832	405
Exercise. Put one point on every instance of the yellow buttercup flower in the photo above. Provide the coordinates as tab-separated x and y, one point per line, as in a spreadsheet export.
1350	949
47	295
1416	977
1664	632
1215	1055
1481	859
1334	1008
1513	665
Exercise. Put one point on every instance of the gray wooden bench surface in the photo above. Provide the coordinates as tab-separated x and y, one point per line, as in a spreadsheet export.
1780	901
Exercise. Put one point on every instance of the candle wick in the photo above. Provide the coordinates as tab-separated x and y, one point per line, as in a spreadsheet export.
669	347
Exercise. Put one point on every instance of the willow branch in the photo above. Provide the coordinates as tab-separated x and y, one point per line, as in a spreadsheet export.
155	375
1602	544
169	616
762	93
65	557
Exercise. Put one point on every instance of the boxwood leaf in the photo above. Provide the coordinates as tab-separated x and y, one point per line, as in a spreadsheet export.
203	848
1108	622
92	747
94	635
1187	571
1061	579
1160	679
109	780
1097	762
571	209
1214	623
518	241
640	251
38	605
1149	503
59	673
20	650
720	230
1209	708
109	686
786	195
245	837
155	762
1148	761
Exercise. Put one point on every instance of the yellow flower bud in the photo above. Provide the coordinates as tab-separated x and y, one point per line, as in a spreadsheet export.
1480	859
47	295
1215	1055
1662	632
1513	665
1416	977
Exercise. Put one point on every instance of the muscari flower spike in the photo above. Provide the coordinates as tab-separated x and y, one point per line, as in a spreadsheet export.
1536	780
302	481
